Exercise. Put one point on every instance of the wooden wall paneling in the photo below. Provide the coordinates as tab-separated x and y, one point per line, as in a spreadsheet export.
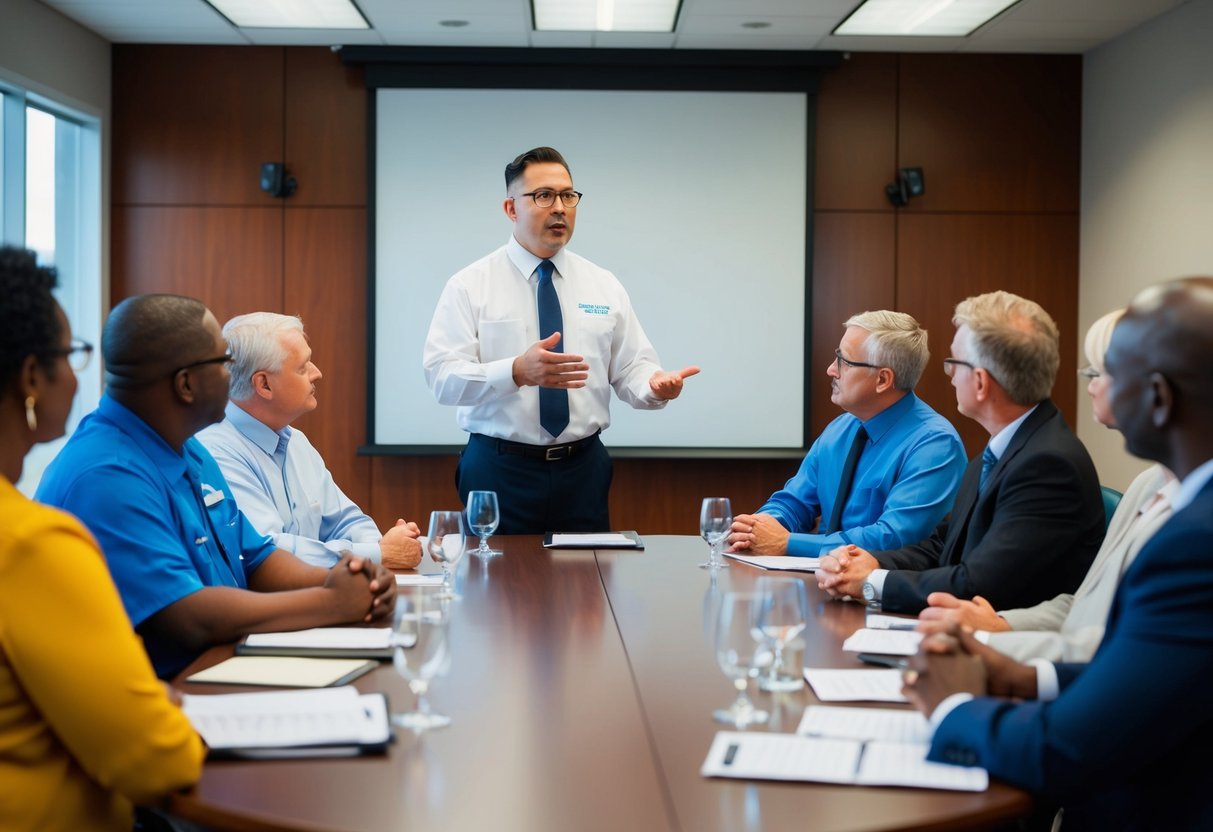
853	271
992	132
411	487
944	258
230	258
325	284
857	134
193	124
325	128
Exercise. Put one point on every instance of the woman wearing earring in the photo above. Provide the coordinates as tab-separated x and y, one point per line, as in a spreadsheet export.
86	730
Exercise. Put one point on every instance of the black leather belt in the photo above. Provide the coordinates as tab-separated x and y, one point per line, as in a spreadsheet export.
548	453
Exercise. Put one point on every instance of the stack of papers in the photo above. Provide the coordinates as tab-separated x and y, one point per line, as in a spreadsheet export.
322	642
418	579
284	671
878	621
860	746
593	540
887	642
337	722
833	685
778	562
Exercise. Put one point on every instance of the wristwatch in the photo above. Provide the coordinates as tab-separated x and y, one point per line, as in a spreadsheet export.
869	594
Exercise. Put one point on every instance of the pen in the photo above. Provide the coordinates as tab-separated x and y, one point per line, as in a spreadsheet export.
731	753
895	662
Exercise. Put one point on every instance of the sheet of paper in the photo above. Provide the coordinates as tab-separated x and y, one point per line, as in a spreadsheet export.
590	540
832	685
905	764
280	671
351	638
418	579
761	756
864	724
877	621
294	718
889	642
774	562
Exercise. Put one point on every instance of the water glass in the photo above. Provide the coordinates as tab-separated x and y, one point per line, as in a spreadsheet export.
781	619
741	654
421	651
483	517
715	521
446	543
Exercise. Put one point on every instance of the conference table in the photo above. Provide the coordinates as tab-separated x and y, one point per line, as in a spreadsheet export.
580	689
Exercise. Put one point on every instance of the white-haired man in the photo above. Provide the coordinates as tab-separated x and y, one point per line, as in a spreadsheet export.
883	473
278	478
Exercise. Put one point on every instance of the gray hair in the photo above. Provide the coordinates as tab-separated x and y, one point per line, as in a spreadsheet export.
1014	340
1099	337
255	340
895	340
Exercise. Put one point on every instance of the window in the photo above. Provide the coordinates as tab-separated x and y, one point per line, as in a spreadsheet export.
50	202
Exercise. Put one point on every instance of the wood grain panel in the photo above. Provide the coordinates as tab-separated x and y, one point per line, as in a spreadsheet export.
229	258
857	134
192	124
325	128
411	487
325	284
943	259
853	271
992	132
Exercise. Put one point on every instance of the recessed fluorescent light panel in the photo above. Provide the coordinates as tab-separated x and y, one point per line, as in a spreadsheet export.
921	18
291	14
605	15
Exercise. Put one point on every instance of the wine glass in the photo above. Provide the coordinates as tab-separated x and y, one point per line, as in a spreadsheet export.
781	618
421	652
483	518
715	520
446	543
741	654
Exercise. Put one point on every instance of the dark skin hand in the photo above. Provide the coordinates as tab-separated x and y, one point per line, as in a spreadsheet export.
956	662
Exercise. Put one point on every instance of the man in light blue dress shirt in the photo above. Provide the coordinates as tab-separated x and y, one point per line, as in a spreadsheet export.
908	467
279	479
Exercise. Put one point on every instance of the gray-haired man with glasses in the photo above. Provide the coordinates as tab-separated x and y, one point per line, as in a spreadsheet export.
527	344
883	473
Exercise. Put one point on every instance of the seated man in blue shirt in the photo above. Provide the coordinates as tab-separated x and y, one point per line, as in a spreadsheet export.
280	481
191	570
903	470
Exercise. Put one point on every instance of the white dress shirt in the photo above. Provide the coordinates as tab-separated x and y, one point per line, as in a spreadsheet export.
281	484
487	316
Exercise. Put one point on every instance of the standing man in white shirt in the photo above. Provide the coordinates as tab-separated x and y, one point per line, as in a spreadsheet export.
279	480
527	344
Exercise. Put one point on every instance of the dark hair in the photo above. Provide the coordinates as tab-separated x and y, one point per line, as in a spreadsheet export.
148	336
28	324
540	154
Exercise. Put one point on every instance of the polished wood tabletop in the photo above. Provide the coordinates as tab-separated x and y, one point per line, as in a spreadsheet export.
580	690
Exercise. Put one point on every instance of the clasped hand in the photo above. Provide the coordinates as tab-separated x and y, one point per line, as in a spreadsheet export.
352	577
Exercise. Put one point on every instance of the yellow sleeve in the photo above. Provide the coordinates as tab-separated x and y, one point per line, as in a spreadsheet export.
75	653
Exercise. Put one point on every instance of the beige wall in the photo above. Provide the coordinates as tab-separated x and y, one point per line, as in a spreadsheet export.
1147	178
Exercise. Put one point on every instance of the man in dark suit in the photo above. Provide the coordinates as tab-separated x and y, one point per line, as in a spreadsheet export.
1029	517
1122	742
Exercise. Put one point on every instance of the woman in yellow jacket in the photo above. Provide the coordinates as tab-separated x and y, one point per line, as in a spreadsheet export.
86	730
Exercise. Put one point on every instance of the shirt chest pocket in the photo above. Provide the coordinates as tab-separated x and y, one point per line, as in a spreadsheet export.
502	339
590	334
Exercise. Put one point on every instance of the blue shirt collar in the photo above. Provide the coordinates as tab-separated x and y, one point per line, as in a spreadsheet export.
880	424
161	454
254	430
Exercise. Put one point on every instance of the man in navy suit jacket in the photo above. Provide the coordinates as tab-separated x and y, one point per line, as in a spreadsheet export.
1124	741
1028	517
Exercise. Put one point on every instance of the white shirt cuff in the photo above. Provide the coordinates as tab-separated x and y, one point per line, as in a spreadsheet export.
982	635
876	578
1047	685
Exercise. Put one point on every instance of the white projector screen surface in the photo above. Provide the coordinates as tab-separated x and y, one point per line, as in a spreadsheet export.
697	201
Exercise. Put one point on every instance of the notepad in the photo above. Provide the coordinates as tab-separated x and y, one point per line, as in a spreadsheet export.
418	579
283	671
886	642
777	562
593	540
833	685
322	642
331	722
879	621
764	756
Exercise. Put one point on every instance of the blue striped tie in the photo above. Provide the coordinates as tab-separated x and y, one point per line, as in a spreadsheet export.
553	403
988	461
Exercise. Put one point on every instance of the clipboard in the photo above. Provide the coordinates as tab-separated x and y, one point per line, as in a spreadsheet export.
593	540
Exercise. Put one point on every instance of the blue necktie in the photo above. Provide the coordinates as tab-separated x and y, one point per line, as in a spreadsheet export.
553	403
988	460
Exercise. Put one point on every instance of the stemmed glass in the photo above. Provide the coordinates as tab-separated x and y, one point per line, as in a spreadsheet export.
483	518
741	654
715	520
781	618
446	543
419	636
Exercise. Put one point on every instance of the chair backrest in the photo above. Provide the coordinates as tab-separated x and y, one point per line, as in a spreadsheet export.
1111	499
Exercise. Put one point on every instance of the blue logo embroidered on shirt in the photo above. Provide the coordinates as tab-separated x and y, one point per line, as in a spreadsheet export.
594	308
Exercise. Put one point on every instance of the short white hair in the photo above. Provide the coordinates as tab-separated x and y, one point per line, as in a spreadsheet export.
895	340
255	341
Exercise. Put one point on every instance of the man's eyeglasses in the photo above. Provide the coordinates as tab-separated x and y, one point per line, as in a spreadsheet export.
226	358
78	355
1089	373
546	198
950	365
839	361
